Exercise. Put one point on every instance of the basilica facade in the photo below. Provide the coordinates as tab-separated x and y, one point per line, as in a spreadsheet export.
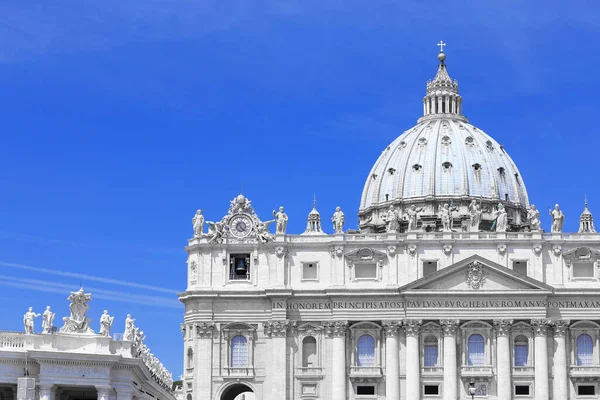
450	288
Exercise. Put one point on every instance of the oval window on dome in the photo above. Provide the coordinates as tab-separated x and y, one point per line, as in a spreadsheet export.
447	165
391	171
446	140
469	141
402	144
489	145
417	167
477	167
422	142
501	171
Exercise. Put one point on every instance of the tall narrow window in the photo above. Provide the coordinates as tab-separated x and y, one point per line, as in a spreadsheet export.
366	351
585	350
521	350
476	350
430	351
309	352
190	358
239	352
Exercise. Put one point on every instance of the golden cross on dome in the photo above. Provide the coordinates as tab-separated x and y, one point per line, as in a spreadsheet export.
441	44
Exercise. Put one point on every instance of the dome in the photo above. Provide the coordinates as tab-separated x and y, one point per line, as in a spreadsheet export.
443	159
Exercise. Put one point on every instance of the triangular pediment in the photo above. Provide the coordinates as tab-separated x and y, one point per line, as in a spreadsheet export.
476	274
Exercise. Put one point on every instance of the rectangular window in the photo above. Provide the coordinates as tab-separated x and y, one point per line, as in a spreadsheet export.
430	355
310	271
365	390
586	390
429	267
431	390
365	271
520	267
583	270
239	266
522	390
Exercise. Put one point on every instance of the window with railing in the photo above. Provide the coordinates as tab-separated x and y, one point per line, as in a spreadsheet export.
521	351
366	351
239	352
476	350
585	350
430	352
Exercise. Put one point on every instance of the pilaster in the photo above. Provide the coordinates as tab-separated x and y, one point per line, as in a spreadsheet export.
337	332
412	329
449	329
503	364
392	362
276	332
560	384
203	359
540	331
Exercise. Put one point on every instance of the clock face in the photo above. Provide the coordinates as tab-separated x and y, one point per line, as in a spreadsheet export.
240	226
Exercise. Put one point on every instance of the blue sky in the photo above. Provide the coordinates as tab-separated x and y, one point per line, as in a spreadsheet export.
120	119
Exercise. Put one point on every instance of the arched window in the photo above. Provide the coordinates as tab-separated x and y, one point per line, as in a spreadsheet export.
239	352
476	350
521	349
190	358
430	351
585	350
309	352
366	351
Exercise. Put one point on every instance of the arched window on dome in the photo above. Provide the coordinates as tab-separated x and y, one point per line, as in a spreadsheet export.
366	351
447	165
476	350
239	352
417	167
585	350
521	351
430	351
309	352
190	358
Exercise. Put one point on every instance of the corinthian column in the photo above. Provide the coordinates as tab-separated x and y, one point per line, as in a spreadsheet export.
203	359
560	383
540	330
337	331
47	391
277	331
392	365
449	328
413	362
503	363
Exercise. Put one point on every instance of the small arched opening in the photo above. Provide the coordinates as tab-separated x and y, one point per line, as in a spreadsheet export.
238	391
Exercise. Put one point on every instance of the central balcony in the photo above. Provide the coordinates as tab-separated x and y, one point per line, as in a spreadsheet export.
309	373
523	371
476	371
432	371
365	374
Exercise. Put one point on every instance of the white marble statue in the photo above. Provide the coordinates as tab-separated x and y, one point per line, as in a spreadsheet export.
129	328
47	320
475	214
78	322
391	220
281	219
501	222
215	231
28	320
106	322
558	218
262	231
413	217
533	216
338	220
198	223
447	217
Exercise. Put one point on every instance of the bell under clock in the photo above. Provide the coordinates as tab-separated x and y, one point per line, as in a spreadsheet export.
240	226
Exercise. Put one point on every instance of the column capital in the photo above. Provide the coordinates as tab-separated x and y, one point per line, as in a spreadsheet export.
103	391
560	327
449	326
336	328
540	326
412	326
390	328
277	328
47	387
503	326
204	330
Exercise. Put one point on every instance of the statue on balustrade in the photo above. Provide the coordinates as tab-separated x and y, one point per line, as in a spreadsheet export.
28	320
281	219
338	220
47	320
391	220
558	218
501	219
129	328
198	223
475	211
447	217
533	216
78	322
106	322
413	217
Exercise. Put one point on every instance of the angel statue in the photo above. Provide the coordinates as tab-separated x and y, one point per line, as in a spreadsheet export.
106	322
215	231
338	220
28	320
262	231
558	218
533	215
413	217
198	223
47	320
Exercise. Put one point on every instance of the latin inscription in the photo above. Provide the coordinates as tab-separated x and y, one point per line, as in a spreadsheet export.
372	305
